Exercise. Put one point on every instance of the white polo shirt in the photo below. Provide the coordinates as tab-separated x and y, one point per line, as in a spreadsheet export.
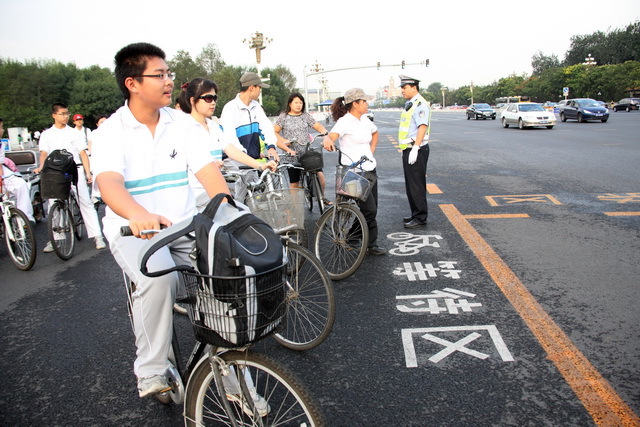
155	167
355	139
67	138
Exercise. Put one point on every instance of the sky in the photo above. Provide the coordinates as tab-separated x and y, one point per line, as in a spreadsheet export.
465	41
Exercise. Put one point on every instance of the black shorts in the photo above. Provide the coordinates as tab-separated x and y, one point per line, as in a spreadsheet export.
294	175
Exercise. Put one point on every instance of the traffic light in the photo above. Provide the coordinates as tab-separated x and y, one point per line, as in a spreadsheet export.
426	63
403	63
378	65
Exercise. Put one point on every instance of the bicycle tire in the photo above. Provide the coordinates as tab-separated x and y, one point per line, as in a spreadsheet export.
311	307
317	191
340	240
288	401
22	250
59	225
78	222
305	179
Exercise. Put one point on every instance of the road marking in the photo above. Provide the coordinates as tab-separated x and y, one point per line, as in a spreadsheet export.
602	402
411	359
622	213
496	216
510	199
621	198
433	189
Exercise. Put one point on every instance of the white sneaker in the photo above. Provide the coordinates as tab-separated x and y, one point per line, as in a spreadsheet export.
261	405
152	385
100	243
48	248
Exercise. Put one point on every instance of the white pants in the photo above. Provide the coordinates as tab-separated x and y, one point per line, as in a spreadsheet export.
18	191
153	299
88	211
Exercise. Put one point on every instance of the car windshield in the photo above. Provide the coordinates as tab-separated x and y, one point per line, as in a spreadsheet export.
531	107
588	103
482	106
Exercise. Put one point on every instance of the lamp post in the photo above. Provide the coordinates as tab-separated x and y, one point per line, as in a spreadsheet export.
589	60
258	42
443	89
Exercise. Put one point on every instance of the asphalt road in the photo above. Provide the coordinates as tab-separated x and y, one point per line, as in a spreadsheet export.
517	305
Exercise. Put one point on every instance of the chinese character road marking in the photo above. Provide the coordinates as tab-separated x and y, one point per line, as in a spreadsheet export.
451	347
411	243
418	271
448	295
510	199
621	198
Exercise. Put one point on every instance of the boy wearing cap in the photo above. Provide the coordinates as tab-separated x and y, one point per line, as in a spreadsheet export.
413	138
63	137
78	121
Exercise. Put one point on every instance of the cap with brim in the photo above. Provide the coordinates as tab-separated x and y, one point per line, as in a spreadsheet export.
355	94
406	80
78	117
252	79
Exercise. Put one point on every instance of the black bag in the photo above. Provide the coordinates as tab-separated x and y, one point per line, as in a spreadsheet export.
59	171
237	295
311	160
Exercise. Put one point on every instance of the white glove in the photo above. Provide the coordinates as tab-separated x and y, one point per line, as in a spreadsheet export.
413	154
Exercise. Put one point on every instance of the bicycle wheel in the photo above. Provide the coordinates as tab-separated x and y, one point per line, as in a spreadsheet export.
288	403
22	248
311	307
340	240
78	222
61	233
305	180
317	191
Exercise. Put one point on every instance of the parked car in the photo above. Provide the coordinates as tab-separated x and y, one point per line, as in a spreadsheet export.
527	114
481	111
583	109
370	115
627	104
436	106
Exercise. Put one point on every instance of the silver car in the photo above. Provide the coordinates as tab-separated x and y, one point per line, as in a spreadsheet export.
527	114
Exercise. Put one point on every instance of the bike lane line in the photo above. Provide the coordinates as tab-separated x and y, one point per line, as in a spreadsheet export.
598	397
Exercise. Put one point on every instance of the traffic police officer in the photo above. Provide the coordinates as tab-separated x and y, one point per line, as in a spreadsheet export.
413	138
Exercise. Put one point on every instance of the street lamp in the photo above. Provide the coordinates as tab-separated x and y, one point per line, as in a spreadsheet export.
443	89
258	42
589	60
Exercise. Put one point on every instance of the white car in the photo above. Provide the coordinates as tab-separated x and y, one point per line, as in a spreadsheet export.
527	114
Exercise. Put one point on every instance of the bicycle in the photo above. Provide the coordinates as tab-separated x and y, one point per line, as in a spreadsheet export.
65	225
222	382
310	298
18	234
311	164
342	235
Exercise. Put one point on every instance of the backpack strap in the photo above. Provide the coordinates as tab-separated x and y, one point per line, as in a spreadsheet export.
162	239
214	204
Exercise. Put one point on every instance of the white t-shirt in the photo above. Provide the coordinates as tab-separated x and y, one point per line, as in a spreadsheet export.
86	134
155	167
355	139
66	138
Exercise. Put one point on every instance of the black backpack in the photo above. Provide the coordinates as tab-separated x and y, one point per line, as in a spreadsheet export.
237	294
59	171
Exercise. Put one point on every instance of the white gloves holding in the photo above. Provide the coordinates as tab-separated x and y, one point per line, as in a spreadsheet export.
413	154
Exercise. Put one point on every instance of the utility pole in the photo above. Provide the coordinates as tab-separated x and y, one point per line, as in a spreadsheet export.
258	42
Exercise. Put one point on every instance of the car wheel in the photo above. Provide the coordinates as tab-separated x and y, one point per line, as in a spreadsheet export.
615	109
504	123
549	127
627	109
580	118
493	118
563	118
520	124
468	117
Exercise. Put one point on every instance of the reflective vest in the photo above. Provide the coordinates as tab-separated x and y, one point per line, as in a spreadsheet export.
405	122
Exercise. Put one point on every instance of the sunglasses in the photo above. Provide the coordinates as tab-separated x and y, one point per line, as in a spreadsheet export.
209	98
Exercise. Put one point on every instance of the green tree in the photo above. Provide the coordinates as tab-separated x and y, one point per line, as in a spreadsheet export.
95	92
210	59
541	62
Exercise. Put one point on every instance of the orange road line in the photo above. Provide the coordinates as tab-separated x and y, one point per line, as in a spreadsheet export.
622	213
602	402
495	216
433	189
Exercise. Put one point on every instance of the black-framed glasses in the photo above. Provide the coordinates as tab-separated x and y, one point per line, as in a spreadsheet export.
209	98
163	76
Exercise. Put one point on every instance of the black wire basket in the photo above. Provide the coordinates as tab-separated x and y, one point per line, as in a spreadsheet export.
232	312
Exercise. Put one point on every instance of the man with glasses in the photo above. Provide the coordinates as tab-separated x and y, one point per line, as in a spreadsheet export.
142	156
63	137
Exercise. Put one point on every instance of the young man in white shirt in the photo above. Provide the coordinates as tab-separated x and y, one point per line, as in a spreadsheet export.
78	121
141	157
63	137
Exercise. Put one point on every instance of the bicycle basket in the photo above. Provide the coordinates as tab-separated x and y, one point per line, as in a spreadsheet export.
279	208
311	160
55	185
233	312
352	183
292	159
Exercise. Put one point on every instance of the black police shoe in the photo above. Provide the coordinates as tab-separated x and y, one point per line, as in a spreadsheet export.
407	219
376	250
414	224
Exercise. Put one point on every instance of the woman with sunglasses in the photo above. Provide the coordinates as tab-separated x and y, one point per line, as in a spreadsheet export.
198	99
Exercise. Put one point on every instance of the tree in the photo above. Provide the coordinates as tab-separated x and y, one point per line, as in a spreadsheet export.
541	62
210	60
95	92
186	69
